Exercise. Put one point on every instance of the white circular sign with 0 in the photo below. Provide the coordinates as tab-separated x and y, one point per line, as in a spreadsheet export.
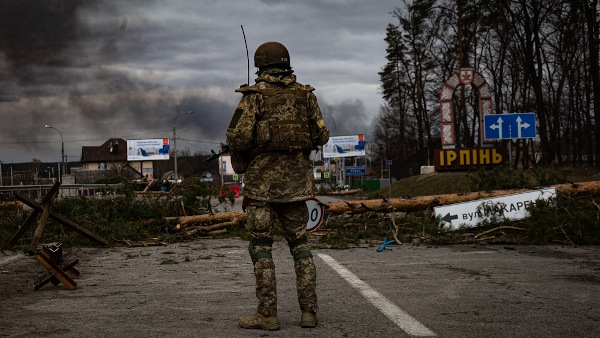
315	214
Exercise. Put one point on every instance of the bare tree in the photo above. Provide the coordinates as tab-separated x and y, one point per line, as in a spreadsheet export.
538	56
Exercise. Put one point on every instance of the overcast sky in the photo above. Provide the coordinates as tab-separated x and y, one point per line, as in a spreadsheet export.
96	69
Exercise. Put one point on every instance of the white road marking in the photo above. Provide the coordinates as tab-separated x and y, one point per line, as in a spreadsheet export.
405	321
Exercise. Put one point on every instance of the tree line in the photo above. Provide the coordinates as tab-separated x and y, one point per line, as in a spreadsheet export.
538	56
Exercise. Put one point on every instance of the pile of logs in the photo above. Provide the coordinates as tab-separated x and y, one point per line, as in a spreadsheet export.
209	224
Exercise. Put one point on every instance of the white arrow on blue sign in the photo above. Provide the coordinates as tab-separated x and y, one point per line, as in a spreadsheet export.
509	126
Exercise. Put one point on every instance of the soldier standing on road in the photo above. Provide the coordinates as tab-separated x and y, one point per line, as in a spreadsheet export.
275	126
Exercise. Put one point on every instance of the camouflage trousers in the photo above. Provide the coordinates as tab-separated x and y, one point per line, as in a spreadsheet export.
260	222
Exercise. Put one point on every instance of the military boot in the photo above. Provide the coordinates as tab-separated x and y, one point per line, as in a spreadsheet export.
308	319
258	321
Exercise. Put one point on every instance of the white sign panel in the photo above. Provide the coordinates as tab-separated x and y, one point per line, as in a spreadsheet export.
344	146
512	207
315	214
148	150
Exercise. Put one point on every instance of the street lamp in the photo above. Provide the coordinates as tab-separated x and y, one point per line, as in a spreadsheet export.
62	152
0	173
334	124
175	140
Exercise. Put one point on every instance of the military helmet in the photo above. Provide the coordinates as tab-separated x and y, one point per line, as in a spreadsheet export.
271	53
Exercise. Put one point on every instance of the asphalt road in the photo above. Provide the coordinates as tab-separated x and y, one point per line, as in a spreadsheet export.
201	288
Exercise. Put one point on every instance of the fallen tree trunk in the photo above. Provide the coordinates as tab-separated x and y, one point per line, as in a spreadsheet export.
499	228
419	203
211	228
221	217
426	202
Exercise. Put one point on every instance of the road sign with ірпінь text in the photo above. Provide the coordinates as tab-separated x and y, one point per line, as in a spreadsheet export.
510	207
509	126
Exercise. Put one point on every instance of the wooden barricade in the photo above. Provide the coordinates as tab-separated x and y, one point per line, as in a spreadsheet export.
44	207
60	269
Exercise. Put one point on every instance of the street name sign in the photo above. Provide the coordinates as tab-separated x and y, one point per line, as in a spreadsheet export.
510	207
509	126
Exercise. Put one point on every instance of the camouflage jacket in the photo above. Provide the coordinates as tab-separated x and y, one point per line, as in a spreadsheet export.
274	176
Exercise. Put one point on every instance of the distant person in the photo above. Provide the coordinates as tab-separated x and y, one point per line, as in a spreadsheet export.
274	128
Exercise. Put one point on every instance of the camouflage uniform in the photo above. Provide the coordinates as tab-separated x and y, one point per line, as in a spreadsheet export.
277	182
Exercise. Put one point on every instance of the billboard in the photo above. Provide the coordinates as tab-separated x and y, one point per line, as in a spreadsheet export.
345	146
148	150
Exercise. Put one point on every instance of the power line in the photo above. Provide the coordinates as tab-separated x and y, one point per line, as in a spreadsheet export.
199	141
190	142
84	140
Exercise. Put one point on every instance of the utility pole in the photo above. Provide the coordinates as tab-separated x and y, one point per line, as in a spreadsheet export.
175	142
62	153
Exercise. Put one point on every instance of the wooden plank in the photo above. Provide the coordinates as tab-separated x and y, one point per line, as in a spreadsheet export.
49	195
64	221
63	277
23	227
79	229
148	186
68	266
40	228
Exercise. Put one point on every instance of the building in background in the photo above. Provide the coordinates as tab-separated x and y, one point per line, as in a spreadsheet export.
107	160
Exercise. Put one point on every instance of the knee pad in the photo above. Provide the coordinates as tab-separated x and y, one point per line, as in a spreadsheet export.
256	255
300	254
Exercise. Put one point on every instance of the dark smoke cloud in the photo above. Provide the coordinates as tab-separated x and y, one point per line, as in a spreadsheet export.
33	31
350	118
47	43
44	32
56	67
97	69
210	115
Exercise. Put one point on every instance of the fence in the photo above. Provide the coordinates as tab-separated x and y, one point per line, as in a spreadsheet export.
65	190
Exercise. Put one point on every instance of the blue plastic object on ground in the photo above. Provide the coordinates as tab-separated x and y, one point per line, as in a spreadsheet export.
385	243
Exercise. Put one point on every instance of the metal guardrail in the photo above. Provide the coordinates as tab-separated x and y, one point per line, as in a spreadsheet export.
37	191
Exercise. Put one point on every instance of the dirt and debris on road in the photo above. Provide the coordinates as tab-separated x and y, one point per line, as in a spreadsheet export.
200	289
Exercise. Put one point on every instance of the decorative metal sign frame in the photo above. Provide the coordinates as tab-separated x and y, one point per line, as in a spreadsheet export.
465	76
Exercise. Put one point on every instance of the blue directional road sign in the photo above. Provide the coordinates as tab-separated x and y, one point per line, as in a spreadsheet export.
355	170
509	126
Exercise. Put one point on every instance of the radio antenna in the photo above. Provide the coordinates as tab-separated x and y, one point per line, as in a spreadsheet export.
247	56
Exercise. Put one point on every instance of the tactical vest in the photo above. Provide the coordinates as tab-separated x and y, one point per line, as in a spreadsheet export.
284	123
